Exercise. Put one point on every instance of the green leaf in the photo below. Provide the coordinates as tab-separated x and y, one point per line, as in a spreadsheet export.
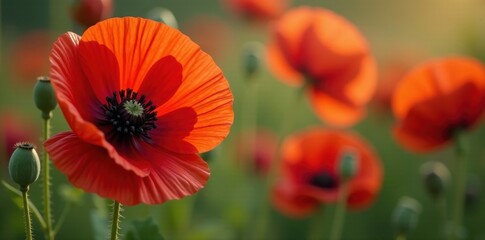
16	197
144	230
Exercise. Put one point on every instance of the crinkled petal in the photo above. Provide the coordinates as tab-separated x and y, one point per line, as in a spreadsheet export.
205	91
172	176
285	49
80	107
435	78
334	111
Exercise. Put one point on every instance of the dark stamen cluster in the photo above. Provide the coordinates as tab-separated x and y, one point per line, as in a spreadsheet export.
122	123
324	180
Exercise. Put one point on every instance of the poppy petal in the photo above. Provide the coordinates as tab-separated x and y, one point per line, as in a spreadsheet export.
335	112
280	66
285	60
291	204
435	78
172	176
430	124
334	37
206	91
79	107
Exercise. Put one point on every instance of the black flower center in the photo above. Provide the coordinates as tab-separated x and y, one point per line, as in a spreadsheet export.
128	116
324	180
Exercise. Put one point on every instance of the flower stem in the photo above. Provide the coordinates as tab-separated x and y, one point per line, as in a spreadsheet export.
116	220
28	224
316	227
339	217
46	183
460	185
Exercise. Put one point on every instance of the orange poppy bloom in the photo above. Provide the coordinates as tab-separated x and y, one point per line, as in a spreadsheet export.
89	12
322	49
142	101
436	99
310	177
256	9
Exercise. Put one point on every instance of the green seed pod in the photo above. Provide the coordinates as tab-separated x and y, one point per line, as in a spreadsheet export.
44	97
405	215
348	165
24	165
436	178
252	58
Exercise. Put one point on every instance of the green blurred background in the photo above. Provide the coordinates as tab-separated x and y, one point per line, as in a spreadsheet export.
227	206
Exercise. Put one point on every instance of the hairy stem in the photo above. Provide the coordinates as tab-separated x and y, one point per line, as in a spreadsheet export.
116	220
47	185
28	224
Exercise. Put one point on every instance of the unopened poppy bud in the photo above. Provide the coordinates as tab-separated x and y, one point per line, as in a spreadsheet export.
405	215
163	15
436	177
348	165
44	97
252	58
24	165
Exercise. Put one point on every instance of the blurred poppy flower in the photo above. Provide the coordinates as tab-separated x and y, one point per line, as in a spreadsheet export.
29	56
309	172
89	12
321	50
436	99
16	128
258	148
256	9
151	101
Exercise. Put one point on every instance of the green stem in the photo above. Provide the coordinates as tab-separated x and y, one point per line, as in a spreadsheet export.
339	217
317	224
28	224
116	220
46	183
460	185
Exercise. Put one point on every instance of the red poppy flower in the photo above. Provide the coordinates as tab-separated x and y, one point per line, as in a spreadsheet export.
29	57
142	101
258	148
309	175
89	12
321	48
256	9
436	99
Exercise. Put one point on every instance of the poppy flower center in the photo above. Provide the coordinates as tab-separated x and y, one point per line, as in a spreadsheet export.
324	180
128	115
